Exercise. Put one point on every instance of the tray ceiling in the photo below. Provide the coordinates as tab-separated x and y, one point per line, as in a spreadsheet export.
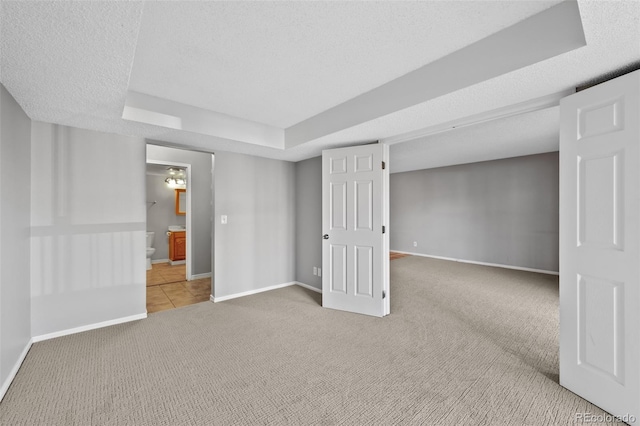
267	67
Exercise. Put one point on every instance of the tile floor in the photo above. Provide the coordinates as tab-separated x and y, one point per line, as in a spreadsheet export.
163	273
167	288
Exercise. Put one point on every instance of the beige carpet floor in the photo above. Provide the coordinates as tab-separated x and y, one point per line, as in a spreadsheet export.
464	344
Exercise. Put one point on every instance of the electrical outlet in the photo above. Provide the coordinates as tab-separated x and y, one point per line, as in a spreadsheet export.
315	271
319	272
415	244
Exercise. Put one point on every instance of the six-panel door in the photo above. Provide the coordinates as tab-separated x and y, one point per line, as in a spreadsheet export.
355	273
599	245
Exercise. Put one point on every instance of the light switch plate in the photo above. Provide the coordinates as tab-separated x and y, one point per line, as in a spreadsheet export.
223	219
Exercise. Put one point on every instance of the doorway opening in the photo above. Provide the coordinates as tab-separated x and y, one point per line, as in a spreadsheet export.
168	220
179	203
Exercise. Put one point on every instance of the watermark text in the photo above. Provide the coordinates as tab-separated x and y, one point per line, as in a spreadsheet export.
604	418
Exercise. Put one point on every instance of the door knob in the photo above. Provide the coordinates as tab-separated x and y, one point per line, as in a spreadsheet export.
325	236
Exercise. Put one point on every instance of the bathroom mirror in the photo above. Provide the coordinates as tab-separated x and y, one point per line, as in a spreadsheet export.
181	201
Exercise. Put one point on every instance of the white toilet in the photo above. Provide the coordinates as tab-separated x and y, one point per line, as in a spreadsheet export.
150	250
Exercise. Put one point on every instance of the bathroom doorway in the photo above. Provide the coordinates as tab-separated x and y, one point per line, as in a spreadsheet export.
168	219
179	203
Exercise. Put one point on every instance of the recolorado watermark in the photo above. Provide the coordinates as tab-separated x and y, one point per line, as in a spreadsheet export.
604	418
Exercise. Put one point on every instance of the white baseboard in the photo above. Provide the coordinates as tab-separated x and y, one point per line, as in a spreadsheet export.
261	290
250	292
87	327
14	370
200	276
496	265
177	262
160	261
309	287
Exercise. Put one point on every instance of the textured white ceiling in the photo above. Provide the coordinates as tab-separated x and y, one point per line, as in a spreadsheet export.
72	63
64	61
281	63
612	29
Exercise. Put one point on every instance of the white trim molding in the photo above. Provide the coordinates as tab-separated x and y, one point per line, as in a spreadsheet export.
14	370
262	290
88	327
495	265
153	262
250	292
309	287
200	276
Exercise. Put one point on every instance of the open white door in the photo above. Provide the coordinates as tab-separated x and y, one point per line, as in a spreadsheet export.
599	245
355	248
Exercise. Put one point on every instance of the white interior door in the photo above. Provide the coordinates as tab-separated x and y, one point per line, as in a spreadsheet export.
599	245
355	248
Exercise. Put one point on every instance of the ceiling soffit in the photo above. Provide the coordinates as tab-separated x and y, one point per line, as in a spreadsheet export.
544	35
547	34
73	63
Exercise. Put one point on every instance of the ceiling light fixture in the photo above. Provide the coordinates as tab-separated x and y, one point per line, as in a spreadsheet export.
177	178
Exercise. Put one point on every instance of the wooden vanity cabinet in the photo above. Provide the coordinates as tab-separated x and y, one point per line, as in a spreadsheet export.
177	245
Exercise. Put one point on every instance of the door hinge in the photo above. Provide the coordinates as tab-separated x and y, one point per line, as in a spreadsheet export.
384	295
383	229
383	165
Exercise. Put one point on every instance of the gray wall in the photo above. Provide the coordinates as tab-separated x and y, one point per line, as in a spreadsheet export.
87	228
256	249
15	184
309	220
201	202
503	211
162	214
